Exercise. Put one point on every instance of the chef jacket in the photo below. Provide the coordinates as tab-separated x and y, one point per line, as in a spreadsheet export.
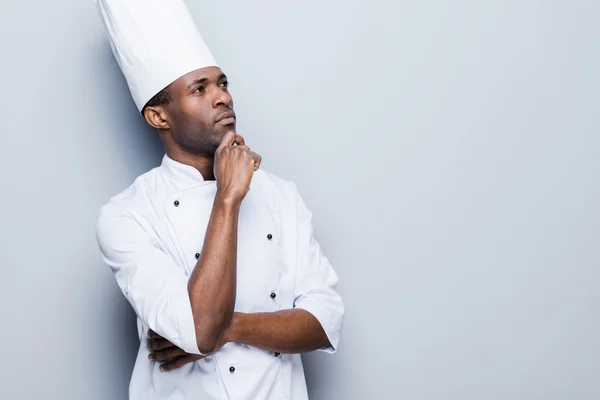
151	235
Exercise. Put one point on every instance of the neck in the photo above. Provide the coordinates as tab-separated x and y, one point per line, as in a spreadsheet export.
202	161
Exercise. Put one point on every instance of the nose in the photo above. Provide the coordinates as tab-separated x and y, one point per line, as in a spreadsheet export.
222	98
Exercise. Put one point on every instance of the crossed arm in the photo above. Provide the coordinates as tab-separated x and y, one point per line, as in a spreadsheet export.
285	331
185	325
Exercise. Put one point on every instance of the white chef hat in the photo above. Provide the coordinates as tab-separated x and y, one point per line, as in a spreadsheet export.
155	42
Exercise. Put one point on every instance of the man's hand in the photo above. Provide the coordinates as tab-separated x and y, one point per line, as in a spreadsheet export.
170	356
234	166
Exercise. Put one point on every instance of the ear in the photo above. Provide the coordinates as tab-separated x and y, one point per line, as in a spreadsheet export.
157	117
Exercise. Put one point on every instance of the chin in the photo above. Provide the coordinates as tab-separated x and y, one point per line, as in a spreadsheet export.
218	136
222	130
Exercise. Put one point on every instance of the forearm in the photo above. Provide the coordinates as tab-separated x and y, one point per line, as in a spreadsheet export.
285	331
212	284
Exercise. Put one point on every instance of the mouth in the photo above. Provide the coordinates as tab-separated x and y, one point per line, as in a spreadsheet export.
226	118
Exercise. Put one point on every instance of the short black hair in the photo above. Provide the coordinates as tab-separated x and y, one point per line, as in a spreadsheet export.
161	98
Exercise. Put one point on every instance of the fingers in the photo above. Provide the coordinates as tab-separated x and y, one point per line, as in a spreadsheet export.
159	344
227	140
230	139
154	335
167	354
239	140
179	362
257	159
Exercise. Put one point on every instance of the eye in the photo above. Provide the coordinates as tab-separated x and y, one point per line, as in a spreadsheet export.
224	84
199	89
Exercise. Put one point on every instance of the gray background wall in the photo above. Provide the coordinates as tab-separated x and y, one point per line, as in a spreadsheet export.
448	150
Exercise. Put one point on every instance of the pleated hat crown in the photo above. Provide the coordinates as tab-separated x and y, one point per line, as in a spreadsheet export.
155	42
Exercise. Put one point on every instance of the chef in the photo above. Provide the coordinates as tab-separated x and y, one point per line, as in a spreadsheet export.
216	256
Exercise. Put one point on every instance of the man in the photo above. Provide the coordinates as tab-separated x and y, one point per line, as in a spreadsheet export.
216	256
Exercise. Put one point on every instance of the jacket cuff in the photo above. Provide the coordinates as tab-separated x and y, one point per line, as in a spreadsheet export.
181	308
329	323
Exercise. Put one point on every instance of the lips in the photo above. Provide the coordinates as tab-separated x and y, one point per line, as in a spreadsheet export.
226	118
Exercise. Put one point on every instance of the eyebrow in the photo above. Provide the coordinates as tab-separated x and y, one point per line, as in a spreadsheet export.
204	80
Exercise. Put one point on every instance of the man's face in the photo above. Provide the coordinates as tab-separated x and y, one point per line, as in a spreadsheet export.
200	112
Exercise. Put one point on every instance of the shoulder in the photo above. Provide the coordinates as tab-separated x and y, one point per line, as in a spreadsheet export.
129	204
143	186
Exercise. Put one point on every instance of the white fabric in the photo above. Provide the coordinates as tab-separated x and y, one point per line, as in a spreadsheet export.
150	245
155	42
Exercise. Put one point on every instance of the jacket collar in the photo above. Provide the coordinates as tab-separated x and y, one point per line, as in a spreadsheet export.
180	174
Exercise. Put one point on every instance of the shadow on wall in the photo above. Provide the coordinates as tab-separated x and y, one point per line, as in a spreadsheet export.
319	369
111	322
129	147
134	146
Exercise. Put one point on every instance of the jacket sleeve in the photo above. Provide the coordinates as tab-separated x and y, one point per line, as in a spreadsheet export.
316	281
152	282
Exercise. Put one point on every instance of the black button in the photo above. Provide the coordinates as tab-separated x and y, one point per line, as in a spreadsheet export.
232	369
277	354
176	203
269	236
197	256
273	295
